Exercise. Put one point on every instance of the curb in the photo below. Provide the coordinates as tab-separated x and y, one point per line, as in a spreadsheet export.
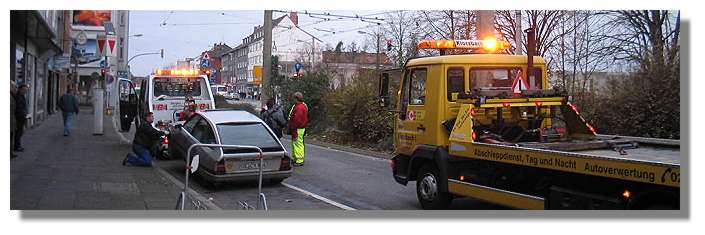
191	193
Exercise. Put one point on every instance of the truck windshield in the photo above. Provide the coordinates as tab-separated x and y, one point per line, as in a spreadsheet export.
493	78
177	86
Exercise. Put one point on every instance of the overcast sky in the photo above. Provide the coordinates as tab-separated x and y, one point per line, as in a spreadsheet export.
187	33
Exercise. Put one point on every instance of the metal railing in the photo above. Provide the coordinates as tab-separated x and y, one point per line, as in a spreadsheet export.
261	199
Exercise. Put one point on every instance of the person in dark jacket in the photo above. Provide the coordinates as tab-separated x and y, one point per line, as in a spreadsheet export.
145	138
274	117
20	116
13	121
68	104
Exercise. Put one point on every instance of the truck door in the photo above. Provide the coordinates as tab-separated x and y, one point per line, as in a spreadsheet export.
410	123
128	104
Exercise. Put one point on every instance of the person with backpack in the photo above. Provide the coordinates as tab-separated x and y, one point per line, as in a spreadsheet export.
274	117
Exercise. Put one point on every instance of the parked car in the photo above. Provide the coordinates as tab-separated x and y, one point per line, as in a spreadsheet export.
232	96
231	127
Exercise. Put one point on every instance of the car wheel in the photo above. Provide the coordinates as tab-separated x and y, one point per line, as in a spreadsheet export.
275	181
427	189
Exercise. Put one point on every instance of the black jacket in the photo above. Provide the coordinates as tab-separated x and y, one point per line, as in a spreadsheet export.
20	107
146	135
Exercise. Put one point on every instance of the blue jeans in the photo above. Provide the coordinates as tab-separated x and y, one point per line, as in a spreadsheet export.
141	157
68	118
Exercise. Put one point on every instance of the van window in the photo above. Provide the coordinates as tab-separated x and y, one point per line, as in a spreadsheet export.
455	80
177	86
493	78
418	86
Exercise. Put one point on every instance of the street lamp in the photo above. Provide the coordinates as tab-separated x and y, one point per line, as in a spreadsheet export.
378	36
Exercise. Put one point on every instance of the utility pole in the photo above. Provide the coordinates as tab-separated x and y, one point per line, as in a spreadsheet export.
485	24
266	58
378	62
517	35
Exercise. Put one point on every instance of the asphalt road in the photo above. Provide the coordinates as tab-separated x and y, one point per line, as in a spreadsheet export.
330	179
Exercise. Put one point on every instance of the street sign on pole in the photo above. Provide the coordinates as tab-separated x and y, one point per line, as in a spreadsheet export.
100	40
111	46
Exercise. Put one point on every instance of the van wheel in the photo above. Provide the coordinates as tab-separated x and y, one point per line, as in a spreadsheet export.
427	189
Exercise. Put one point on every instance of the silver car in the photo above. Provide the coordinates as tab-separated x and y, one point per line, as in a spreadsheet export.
231	127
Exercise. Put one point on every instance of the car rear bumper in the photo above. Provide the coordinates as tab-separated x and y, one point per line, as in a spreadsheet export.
240	177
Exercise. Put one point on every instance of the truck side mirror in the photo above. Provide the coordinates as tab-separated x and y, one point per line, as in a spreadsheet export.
384	90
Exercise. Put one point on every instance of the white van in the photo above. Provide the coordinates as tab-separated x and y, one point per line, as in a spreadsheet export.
219	89
164	93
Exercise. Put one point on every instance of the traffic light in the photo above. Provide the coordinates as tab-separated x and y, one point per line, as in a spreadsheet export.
102	72
389	44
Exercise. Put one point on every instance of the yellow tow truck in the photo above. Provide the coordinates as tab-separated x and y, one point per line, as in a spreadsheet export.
486	125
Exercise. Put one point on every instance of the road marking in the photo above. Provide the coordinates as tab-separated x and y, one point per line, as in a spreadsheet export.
319	197
192	193
342	151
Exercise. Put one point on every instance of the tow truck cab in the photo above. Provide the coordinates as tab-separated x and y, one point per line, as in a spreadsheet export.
488	126
164	93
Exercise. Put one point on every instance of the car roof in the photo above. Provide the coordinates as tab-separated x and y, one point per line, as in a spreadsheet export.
218	116
491	59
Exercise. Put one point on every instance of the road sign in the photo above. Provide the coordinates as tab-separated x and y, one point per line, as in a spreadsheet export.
298	66
100	40
519	84
103	63
111	45
205	63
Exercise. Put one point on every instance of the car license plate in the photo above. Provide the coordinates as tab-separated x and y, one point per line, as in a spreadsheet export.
246	165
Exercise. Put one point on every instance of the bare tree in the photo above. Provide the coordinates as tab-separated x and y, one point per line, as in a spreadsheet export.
403	30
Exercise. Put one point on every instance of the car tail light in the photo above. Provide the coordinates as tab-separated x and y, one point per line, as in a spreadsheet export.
220	167
285	164
165	140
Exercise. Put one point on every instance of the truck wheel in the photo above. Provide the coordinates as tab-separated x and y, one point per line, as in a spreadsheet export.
427	190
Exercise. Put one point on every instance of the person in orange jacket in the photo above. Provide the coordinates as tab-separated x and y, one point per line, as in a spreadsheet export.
298	120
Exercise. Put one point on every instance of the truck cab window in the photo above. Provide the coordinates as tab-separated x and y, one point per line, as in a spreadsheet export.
492	78
455	81
418	86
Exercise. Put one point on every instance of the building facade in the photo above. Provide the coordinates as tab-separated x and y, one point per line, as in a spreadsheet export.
38	55
290	44
344	66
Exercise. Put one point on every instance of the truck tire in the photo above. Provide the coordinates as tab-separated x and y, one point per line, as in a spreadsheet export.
427	190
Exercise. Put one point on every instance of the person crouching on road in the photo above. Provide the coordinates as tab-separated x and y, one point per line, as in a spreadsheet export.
145	138
298	120
68	103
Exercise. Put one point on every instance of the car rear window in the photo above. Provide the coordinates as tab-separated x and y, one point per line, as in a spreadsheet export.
247	134
177	86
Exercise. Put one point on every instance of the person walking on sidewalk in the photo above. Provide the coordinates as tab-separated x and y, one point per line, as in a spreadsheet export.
13	122
21	115
145	138
68	104
274	117
298	120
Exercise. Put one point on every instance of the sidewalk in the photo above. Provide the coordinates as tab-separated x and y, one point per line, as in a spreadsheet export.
83	171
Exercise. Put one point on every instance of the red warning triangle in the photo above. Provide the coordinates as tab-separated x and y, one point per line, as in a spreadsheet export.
519	85
101	46
111	44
